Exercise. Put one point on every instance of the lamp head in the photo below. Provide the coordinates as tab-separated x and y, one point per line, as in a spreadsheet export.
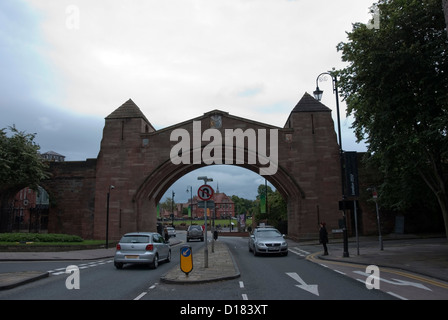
318	94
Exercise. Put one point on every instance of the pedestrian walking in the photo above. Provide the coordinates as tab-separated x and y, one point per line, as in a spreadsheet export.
167	236
323	237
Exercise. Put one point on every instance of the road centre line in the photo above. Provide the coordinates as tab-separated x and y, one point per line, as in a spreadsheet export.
396	295
141	295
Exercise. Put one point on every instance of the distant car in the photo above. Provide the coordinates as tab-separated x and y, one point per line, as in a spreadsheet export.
171	231
267	240
195	232
142	248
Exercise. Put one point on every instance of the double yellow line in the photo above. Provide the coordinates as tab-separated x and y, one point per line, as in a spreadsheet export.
313	258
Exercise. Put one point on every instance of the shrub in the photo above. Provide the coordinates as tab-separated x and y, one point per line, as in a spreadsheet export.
38	237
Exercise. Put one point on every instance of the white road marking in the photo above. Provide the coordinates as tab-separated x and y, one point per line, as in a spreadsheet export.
141	295
59	271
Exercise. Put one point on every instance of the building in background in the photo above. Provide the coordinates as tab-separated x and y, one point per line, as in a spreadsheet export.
30	211
53	156
224	206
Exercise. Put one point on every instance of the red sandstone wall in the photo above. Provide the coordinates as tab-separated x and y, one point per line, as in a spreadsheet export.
72	197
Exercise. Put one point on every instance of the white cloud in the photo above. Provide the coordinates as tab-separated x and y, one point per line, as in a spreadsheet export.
194	56
177	59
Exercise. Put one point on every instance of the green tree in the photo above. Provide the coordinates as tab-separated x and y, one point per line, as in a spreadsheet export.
276	211
243	205
20	166
168	204
396	87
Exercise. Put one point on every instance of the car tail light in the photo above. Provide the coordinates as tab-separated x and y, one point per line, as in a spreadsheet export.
149	247
118	247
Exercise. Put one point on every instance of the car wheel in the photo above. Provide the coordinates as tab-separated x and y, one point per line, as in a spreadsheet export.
255	252
118	265
168	258
202	239
155	263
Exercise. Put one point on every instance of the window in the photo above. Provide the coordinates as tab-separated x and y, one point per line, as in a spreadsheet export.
135	239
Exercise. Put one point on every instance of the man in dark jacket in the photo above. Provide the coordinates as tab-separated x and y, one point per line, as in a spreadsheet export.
323	237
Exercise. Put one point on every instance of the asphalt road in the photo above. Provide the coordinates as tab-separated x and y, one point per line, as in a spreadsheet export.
262	278
99	280
271	278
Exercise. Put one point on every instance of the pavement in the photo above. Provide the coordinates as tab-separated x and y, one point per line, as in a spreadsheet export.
221	266
423	256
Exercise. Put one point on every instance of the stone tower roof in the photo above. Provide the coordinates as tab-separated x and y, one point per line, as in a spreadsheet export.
127	110
309	104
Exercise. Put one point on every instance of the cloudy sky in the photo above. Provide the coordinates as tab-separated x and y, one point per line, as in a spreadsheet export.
66	65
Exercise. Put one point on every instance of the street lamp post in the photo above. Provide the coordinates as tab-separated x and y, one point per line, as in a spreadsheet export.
172	208
205	179
318	96
107	216
375	198
191	203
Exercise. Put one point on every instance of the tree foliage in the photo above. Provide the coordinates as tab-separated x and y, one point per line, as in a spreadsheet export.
243	205
276	212
20	166
396	87
20	163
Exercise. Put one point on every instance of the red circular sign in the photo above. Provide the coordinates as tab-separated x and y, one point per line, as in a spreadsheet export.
205	192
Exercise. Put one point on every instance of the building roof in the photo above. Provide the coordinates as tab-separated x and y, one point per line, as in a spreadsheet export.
52	153
309	104
128	110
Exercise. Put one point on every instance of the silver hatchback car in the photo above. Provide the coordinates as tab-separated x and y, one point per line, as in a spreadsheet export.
267	240
142	248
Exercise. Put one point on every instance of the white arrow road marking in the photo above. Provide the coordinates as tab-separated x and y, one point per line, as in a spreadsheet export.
311	288
397	282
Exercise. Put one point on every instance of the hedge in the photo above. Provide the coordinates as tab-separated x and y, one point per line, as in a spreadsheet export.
38	237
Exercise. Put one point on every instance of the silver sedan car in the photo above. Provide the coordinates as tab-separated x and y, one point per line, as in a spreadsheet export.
142	248
267	240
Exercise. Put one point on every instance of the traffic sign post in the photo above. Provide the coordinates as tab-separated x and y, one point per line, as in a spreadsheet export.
205	192
186	259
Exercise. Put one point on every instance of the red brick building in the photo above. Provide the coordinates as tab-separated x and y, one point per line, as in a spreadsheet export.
224	206
30	210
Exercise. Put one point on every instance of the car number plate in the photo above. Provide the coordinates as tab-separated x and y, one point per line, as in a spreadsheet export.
274	249
131	257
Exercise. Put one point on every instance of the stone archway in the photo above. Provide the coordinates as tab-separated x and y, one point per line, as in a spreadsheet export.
141	163
152	189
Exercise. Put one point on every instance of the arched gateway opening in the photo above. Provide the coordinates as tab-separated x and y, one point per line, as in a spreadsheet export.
152	190
301	160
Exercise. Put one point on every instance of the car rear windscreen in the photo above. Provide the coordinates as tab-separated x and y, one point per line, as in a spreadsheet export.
135	239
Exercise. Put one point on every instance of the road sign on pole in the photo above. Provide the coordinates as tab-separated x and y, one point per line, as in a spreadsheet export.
205	192
210	204
186	259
